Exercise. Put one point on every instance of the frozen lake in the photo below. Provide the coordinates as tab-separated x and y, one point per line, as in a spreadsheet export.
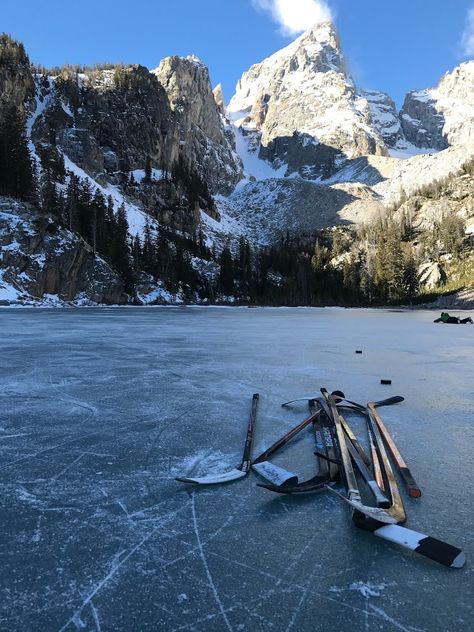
102	408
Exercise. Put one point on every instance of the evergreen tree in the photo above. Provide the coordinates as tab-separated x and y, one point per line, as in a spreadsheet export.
100	236
244	267
226	273
49	198
163	256
148	170
411	284
17	177
136	254
72	202
85	211
148	255
120	255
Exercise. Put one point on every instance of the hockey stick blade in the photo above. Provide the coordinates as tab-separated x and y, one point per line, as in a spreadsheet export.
431	548
274	474
300	399
301	488
214	479
236	473
375	513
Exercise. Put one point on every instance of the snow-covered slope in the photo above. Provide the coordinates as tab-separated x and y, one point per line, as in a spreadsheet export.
266	210
408	176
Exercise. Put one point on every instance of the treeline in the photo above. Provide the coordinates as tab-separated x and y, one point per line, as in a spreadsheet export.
334	269
72	70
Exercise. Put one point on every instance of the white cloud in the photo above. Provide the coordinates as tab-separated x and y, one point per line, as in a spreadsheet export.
296	16
467	40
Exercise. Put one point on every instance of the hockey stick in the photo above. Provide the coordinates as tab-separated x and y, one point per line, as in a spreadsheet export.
353	494
429	547
425	545
286	438
380	498
339	397
323	441
413	490
243	469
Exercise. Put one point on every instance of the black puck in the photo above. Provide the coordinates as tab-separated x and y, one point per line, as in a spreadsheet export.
386	382
358	351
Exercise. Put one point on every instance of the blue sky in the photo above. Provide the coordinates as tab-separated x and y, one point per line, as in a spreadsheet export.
394	46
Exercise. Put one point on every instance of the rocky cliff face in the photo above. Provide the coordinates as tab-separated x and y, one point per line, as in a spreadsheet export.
38	258
384	115
304	106
455	101
16	81
108	120
422	123
111	120
442	116
199	131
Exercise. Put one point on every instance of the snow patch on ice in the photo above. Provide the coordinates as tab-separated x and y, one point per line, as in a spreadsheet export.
366	589
205	462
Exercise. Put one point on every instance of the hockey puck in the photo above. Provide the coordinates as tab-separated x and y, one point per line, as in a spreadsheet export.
358	351
386	382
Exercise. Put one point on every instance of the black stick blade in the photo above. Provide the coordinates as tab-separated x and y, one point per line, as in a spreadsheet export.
441	552
432	548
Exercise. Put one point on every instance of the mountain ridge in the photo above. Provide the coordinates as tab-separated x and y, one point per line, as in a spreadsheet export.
200	179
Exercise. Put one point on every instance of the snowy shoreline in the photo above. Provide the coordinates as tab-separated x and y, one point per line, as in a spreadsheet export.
465	306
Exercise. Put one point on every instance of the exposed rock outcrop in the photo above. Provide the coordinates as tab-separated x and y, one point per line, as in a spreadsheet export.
219	97
38	257
384	115
107	120
201	137
16	80
455	101
114	119
431	275
422	123
267	210
442	116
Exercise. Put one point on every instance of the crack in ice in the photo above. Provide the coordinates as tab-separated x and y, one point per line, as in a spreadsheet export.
206	566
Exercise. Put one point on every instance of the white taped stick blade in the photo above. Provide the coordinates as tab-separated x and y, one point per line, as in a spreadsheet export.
214	479
274	474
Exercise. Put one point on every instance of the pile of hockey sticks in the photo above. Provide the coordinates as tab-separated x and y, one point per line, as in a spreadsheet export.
368	476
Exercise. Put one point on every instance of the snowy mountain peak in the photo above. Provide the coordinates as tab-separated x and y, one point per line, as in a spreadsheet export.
315	51
304	107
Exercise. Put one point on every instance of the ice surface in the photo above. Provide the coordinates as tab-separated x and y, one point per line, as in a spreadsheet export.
102	408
